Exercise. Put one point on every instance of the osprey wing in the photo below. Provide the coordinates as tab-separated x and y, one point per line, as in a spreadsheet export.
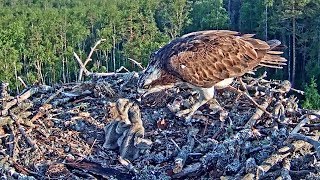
205	58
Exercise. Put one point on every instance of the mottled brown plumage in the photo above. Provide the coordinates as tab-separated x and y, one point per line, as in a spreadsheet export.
208	59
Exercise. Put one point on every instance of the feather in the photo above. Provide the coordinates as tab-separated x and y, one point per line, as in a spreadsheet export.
205	58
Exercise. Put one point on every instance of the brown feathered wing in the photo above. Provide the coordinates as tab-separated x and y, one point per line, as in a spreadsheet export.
207	57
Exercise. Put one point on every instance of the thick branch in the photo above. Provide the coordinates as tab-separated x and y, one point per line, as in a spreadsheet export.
83	65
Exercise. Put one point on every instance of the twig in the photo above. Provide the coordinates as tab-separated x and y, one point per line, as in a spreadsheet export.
297	91
18	99
137	63
83	65
190	170
261	107
23	132
42	110
302	123
122	68
83	68
22	82
53	96
88	73
258	79
278	156
97	169
185	150
257	115
314	143
175	144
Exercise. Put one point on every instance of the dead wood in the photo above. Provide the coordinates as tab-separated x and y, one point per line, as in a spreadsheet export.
180	160
7	105
259	112
101	129
98	171
314	143
83	68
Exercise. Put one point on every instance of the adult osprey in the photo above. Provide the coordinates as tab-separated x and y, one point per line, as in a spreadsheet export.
206	60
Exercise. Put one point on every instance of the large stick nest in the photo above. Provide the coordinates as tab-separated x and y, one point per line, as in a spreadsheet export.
83	130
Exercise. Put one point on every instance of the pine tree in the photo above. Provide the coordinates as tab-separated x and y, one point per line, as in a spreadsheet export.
312	96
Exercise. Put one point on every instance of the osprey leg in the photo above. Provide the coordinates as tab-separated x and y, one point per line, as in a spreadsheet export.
205	95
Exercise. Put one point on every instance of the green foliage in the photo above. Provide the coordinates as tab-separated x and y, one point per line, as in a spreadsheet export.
38	38
172	16
312	96
208	14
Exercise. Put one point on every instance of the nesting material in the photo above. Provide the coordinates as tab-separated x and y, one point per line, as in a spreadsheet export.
103	129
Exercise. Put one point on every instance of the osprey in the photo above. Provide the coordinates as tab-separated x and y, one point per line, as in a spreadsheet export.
207	60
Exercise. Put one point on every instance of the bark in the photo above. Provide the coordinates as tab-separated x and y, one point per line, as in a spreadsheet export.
114	49
293	49
289	61
266	22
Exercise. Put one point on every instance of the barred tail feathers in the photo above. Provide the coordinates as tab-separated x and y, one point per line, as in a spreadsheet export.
273	59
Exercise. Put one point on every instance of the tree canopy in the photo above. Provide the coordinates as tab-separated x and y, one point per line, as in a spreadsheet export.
37	38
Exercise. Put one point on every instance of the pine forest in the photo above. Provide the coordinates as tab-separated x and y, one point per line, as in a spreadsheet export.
38	38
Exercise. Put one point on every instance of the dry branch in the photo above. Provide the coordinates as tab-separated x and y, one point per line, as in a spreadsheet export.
83	68
67	124
314	143
18	99
184	152
83	65
258	113
137	63
278	156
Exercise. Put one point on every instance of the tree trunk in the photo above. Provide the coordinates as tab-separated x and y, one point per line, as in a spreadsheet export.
105	54
114	49
39	71
266	23
318	63
68	76
289	60
293	50
63	70
16	76
284	40
234	7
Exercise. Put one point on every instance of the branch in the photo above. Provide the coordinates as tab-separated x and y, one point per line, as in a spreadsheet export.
83	65
83	68
258	113
122	68
278	156
303	122
314	143
22	82
18	99
137	63
184	152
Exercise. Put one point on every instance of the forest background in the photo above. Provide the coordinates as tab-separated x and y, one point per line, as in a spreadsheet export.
38	37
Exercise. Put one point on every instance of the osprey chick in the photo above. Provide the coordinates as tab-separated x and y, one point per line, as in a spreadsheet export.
206	60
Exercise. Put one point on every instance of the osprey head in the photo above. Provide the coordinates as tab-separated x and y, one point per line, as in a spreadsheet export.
154	78
149	75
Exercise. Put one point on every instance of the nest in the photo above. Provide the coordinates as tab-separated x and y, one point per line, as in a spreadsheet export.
101	129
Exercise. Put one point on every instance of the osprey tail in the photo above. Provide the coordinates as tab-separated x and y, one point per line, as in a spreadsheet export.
273	59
